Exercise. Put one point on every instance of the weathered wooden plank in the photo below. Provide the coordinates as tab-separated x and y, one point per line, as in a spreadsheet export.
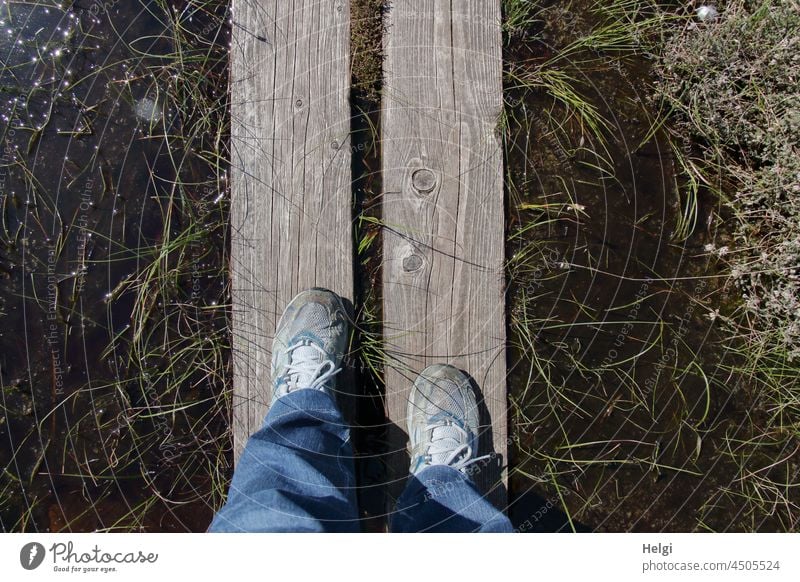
291	197
443	284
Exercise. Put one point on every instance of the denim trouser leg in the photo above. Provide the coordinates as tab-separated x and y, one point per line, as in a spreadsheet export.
296	473
442	499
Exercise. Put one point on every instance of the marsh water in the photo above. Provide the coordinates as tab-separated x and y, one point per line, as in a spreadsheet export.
618	396
87	182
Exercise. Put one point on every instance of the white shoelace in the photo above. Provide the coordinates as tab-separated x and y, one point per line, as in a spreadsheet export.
309	367
449	445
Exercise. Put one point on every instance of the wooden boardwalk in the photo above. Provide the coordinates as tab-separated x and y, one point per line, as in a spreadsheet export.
291	210
443	286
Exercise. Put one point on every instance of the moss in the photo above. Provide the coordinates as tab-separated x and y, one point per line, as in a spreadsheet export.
366	42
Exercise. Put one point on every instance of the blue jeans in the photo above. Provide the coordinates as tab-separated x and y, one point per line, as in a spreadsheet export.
296	474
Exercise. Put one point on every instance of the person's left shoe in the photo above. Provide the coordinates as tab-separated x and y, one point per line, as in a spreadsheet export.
310	343
443	420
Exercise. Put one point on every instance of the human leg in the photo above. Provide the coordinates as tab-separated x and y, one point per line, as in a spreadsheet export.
296	472
443	426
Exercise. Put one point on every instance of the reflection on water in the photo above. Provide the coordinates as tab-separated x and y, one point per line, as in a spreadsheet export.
87	172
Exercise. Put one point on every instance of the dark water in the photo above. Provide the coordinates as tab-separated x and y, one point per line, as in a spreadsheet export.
614	419
103	390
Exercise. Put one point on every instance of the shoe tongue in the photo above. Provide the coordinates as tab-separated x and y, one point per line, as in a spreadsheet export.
444	440
307	359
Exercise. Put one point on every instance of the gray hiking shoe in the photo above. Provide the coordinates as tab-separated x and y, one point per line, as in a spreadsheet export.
310	343
442	420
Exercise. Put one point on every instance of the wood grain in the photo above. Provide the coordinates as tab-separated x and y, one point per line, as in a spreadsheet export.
443	278
291	192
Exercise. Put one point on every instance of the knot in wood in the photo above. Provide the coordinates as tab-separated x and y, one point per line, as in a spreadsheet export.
412	263
423	180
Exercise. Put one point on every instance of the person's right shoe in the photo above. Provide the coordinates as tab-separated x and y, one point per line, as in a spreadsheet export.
442	419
